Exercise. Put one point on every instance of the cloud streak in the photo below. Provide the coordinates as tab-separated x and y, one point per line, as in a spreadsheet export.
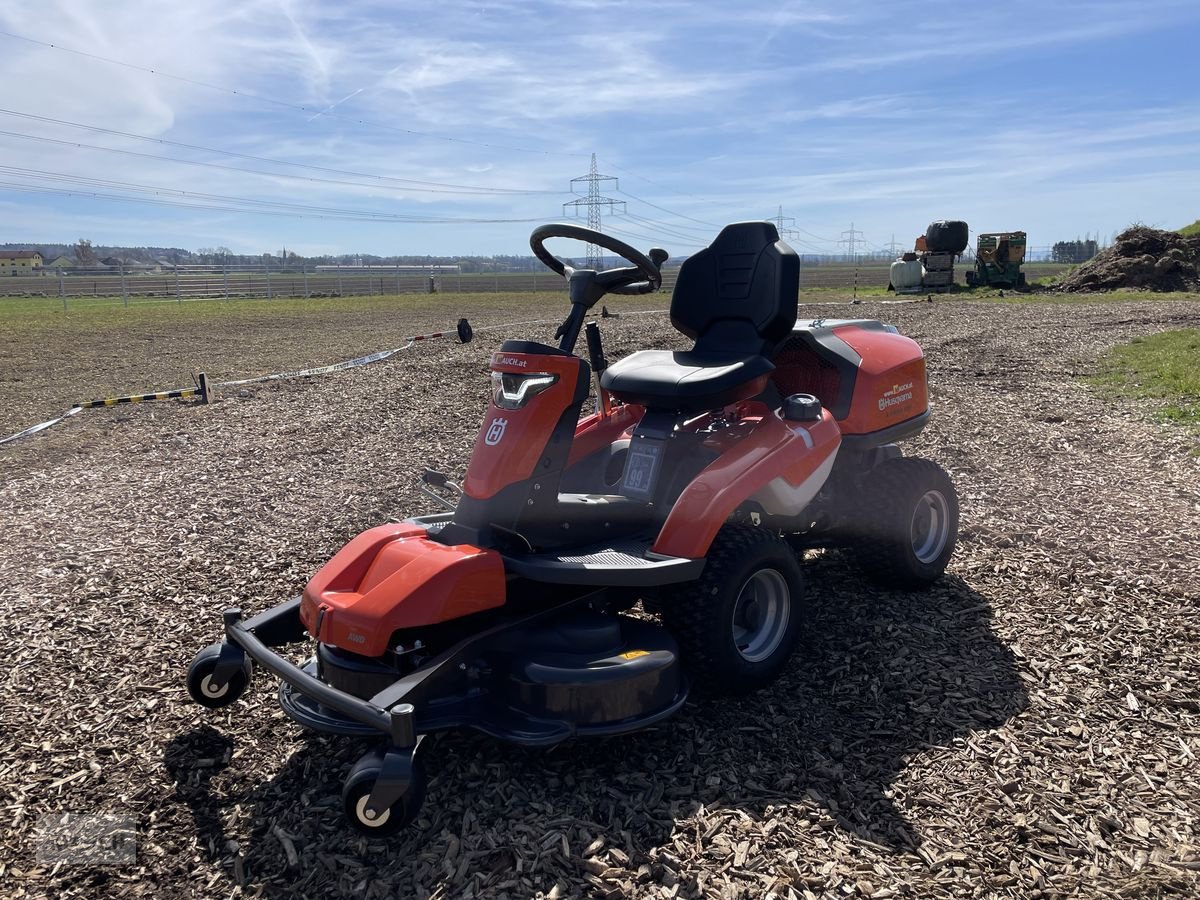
836	111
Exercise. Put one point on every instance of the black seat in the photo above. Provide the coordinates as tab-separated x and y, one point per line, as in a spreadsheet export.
737	300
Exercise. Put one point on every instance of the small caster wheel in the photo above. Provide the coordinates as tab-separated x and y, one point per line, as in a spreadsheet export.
356	793
200	679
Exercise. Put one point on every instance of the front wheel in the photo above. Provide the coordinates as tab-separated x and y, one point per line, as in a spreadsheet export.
908	522
738	623
204	687
356	795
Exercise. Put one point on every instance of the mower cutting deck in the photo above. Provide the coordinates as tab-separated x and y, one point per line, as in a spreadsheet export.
692	488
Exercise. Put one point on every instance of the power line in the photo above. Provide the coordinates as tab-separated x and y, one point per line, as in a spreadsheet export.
663	186
594	203
817	237
193	197
501	192
684	229
654	240
265	159
660	227
678	215
282	103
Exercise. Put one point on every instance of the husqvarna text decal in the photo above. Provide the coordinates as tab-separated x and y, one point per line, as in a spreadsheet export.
900	393
495	432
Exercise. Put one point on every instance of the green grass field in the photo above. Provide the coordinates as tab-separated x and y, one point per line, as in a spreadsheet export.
1163	366
89	315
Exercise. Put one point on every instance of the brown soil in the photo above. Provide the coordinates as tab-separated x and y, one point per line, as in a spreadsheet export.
1142	259
1027	728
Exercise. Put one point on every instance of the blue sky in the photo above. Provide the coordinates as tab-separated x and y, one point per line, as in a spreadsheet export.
1060	118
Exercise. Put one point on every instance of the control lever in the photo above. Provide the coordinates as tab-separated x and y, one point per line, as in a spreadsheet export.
433	479
596	357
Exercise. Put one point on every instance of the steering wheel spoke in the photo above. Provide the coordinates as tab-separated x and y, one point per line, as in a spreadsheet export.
640	278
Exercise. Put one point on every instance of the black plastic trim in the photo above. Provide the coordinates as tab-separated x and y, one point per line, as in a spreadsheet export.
552	569
897	432
519	346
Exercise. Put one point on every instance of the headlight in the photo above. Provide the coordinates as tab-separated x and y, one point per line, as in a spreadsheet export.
512	390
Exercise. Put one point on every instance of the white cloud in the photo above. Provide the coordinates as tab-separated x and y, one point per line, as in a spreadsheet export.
840	110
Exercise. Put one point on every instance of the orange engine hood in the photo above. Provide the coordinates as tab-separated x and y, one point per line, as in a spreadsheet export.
394	577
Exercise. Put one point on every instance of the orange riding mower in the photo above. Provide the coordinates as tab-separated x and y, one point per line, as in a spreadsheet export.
693	488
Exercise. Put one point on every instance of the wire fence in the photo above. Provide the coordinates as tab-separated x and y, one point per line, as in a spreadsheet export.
181	284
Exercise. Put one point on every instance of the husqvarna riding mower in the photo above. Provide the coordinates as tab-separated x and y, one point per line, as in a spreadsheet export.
693	486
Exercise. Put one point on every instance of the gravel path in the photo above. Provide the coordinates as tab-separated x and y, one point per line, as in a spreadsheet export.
1028	728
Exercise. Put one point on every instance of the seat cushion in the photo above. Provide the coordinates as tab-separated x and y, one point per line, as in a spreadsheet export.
685	381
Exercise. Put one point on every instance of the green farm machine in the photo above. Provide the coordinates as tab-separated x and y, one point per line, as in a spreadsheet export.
998	258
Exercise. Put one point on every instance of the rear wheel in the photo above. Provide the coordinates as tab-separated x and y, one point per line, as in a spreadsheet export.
908	522
737	624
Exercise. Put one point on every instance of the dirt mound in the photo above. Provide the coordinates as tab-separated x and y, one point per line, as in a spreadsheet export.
1141	258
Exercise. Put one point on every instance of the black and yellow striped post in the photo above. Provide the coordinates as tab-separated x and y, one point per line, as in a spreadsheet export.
182	393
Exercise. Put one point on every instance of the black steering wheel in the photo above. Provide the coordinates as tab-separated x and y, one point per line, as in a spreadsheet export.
640	278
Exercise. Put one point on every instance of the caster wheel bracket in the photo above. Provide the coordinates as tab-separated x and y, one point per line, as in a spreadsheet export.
230	662
395	776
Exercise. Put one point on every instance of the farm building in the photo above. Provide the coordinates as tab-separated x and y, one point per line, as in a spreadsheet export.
13	262
61	262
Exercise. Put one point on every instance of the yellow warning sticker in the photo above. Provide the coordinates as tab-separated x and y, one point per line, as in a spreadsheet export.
634	654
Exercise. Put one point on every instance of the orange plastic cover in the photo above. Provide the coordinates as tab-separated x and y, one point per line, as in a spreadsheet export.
891	386
394	577
774	449
512	441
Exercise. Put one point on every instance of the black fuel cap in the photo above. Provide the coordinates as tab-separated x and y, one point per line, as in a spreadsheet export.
801	408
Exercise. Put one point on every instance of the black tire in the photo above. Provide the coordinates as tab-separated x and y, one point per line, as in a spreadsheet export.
200	672
908	522
947	236
732	642
357	788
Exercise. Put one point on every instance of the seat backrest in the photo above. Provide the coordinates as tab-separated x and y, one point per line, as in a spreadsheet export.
738	296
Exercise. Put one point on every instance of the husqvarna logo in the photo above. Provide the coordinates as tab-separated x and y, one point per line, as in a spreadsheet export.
495	432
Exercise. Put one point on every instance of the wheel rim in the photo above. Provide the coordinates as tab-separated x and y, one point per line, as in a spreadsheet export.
364	816
208	690
760	616
930	527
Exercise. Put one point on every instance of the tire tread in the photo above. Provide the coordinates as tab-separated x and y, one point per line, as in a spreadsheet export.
689	610
884	554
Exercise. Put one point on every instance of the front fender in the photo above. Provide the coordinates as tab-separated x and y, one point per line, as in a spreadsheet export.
394	577
798	454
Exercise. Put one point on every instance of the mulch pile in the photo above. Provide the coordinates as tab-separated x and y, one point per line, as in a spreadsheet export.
1142	259
1027	728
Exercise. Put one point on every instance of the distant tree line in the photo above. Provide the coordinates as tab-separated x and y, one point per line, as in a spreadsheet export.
85	253
1074	251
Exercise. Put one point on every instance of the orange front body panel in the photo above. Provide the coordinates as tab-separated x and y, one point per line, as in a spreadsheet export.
394	577
597	431
890	387
511	442
794	451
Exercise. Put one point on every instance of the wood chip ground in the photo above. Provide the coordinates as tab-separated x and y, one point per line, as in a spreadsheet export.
1027	728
